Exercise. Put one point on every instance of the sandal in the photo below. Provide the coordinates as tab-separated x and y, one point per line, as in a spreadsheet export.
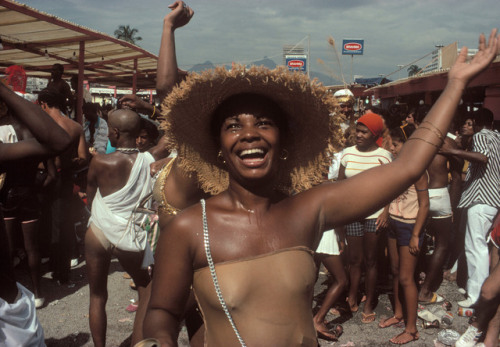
389	322
367	318
331	335
413	337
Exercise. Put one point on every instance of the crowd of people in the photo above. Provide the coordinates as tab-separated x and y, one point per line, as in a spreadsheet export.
223	214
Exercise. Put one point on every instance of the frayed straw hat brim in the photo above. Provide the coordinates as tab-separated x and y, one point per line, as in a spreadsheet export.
187	114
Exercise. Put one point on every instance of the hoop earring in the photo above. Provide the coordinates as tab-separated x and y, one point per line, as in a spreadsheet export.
284	154
220	158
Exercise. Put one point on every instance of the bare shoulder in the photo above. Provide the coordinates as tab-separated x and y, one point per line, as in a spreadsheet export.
74	129
188	218
185	229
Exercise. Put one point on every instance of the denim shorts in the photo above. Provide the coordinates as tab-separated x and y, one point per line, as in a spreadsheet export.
402	232
361	227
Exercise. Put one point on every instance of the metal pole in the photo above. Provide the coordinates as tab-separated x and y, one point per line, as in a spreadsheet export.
79	88
134	78
308	54
352	76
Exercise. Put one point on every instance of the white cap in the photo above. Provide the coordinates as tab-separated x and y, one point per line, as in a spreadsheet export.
344	96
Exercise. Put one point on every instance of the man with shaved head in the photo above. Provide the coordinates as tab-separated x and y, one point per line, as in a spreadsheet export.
117	182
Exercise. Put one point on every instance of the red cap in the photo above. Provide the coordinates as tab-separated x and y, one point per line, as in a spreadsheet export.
374	123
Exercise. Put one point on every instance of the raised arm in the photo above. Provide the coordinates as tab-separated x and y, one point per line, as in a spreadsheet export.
135	102
167	74
45	130
347	200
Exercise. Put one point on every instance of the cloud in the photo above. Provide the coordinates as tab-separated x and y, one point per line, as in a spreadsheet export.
395	31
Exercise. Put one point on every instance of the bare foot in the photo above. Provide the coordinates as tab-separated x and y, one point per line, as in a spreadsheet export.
352	305
405	337
389	322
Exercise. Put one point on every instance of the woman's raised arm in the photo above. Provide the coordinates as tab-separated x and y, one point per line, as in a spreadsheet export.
345	201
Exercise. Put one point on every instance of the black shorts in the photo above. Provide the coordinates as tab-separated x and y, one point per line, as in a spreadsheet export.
21	203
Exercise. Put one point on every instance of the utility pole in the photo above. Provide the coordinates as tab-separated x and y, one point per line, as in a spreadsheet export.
399	71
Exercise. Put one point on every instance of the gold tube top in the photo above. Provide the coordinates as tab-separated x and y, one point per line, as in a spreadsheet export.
159	191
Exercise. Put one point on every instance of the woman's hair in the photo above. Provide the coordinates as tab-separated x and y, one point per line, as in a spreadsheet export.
151	130
256	104
402	133
483	117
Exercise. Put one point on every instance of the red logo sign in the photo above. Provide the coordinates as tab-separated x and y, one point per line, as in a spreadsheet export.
295	63
352	46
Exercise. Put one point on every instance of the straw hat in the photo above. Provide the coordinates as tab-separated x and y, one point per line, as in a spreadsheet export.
187	114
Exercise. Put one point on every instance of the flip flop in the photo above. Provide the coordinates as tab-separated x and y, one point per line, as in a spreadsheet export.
436	299
384	322
368	318
414	337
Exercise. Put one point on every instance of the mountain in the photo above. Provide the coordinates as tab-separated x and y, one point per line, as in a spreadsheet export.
270	64
324	78
266	62
201	67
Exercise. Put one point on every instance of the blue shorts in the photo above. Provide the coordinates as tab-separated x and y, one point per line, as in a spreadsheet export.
362	227
402	233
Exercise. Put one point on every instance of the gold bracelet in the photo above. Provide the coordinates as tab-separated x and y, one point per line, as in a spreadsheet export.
434	132
435	127
421	139
154	111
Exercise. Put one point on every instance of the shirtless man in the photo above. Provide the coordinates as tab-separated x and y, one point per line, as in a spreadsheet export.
442	204
61	86
73	158
116	183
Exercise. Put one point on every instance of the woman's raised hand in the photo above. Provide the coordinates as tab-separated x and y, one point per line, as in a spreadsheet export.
180	15
464	71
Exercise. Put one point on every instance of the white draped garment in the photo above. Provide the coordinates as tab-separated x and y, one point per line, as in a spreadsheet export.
113	214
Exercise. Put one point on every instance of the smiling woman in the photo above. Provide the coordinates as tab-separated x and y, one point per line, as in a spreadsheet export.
276	94
246	251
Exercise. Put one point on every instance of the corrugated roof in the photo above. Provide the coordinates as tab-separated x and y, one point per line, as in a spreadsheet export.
37	40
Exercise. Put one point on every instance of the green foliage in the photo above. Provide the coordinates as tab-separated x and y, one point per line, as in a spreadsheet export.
412	70
126	33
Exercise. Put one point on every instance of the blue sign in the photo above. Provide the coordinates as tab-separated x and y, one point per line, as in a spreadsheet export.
352	46
296	62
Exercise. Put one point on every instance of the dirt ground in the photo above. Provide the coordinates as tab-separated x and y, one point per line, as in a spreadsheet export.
65	314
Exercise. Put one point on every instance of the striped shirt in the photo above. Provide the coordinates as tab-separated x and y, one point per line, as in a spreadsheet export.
482	183
355	162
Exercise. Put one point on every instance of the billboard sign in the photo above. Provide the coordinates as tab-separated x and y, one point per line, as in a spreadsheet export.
352	46
296	62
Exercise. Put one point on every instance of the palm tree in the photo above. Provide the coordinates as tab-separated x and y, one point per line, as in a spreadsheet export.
126	33
412	70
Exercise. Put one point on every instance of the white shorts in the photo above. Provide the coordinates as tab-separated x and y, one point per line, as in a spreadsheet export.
329	243
439	203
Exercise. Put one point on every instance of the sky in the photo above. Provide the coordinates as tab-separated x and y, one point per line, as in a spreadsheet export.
395	32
